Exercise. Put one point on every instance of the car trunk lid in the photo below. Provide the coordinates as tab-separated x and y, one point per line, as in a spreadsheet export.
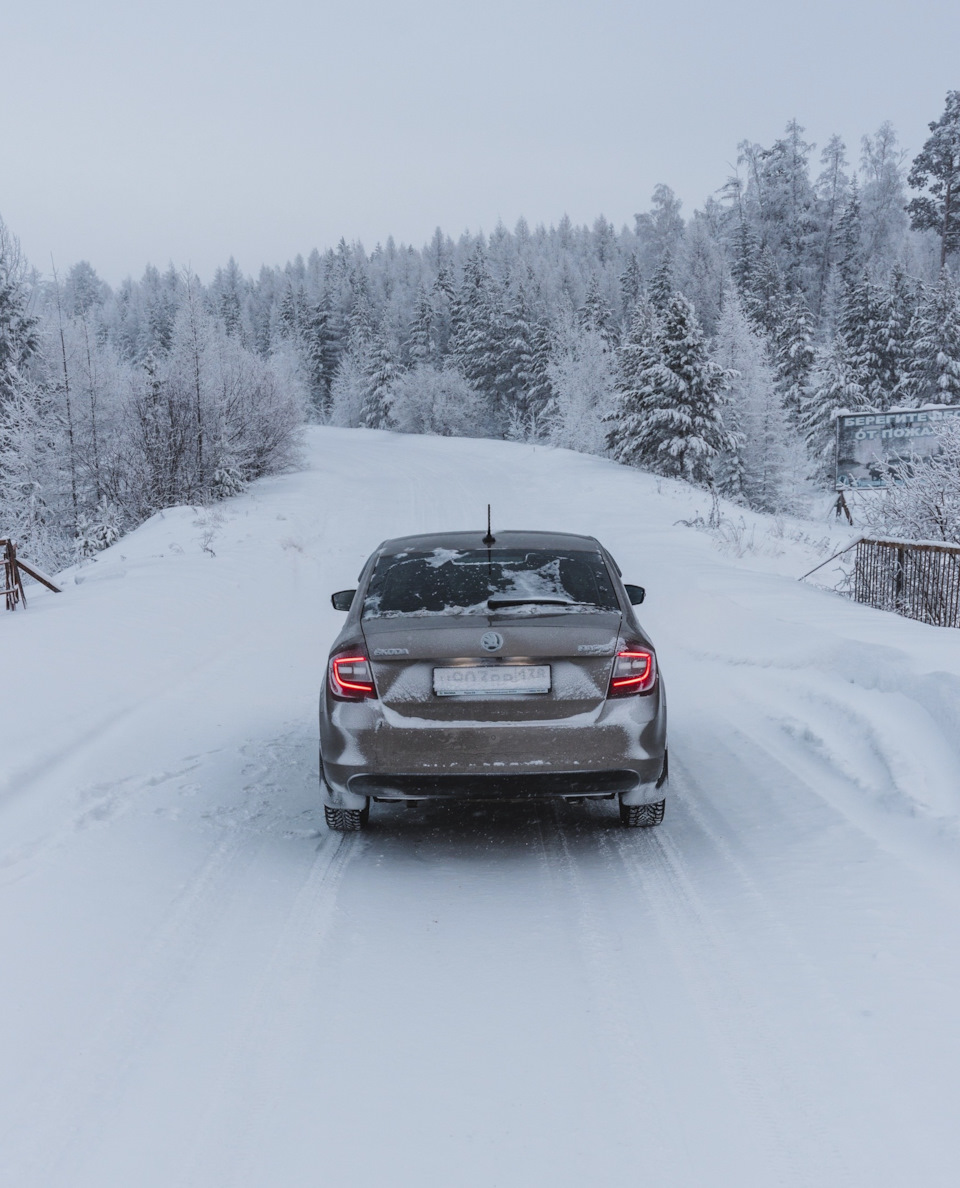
578	648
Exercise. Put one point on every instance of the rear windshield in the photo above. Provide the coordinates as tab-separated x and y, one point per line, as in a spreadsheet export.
460	582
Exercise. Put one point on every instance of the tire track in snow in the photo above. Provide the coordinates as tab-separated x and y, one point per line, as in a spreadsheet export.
93	1078
17	782
597	945
78	1093
725	997
255	1057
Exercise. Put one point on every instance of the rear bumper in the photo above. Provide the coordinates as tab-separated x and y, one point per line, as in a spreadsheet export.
533	786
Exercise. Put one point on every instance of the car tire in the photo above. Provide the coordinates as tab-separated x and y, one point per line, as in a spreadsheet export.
343	820
642	816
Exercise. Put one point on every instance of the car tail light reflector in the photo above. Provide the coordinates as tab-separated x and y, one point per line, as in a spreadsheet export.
351	678
634	671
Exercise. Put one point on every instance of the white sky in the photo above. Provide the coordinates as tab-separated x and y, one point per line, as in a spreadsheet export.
193	130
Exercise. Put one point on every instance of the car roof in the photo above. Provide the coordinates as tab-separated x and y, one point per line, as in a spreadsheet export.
568	541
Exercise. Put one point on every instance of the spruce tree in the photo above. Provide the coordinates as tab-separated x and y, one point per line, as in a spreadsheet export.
228	297
894	333
677	425
836	385
420	341
631	284
849	239
442	300
765	301
794	356
637	355
744	253
320	344
541	389
781	197
857	327
479	333
832	187
595	314
516	363
19	338
937	169
935	368
662	286
375	411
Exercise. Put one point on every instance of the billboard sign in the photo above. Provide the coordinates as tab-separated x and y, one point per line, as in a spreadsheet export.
867	442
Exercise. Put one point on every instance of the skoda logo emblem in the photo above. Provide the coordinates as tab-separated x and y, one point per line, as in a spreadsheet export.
491	641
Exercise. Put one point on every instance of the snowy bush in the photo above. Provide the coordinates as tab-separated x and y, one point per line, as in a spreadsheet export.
98	531
922	501
347	390
582	377
227	480
438	401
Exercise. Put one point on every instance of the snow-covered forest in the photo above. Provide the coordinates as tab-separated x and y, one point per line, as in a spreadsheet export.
713	347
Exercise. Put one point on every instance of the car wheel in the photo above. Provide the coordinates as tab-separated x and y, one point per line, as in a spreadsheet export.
346	820
642	816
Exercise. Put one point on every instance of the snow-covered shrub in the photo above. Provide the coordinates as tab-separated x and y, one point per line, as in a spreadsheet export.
922	501
98	530
227	480
581	374
434	400
348	389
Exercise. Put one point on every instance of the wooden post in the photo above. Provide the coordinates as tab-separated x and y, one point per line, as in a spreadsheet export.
12	579
12	582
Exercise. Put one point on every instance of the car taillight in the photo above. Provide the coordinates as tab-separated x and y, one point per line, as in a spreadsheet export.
351	678
634	671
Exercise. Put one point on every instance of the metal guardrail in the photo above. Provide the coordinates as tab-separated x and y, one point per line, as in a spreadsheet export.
919	581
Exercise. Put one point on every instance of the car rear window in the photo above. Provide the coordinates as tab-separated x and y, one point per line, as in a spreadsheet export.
451	581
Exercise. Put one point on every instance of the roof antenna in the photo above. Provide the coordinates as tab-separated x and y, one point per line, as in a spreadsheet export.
489	539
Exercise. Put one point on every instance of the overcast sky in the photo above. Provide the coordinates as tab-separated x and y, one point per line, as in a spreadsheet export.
193	130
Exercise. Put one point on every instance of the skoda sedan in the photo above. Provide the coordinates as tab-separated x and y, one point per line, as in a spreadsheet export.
492	669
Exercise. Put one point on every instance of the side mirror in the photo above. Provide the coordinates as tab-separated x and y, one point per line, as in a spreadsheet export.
636	594
342	600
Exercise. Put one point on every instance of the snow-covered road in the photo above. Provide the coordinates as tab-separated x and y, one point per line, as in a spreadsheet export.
202	987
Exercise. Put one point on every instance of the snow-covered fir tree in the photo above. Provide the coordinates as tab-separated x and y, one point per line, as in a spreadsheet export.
678	416
936	170
377	397
19	338
935	366
793	352
638	353
835	385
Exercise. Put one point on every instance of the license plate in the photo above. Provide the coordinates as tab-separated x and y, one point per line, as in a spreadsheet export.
476	680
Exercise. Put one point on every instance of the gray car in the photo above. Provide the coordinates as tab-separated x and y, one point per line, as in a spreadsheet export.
491	668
